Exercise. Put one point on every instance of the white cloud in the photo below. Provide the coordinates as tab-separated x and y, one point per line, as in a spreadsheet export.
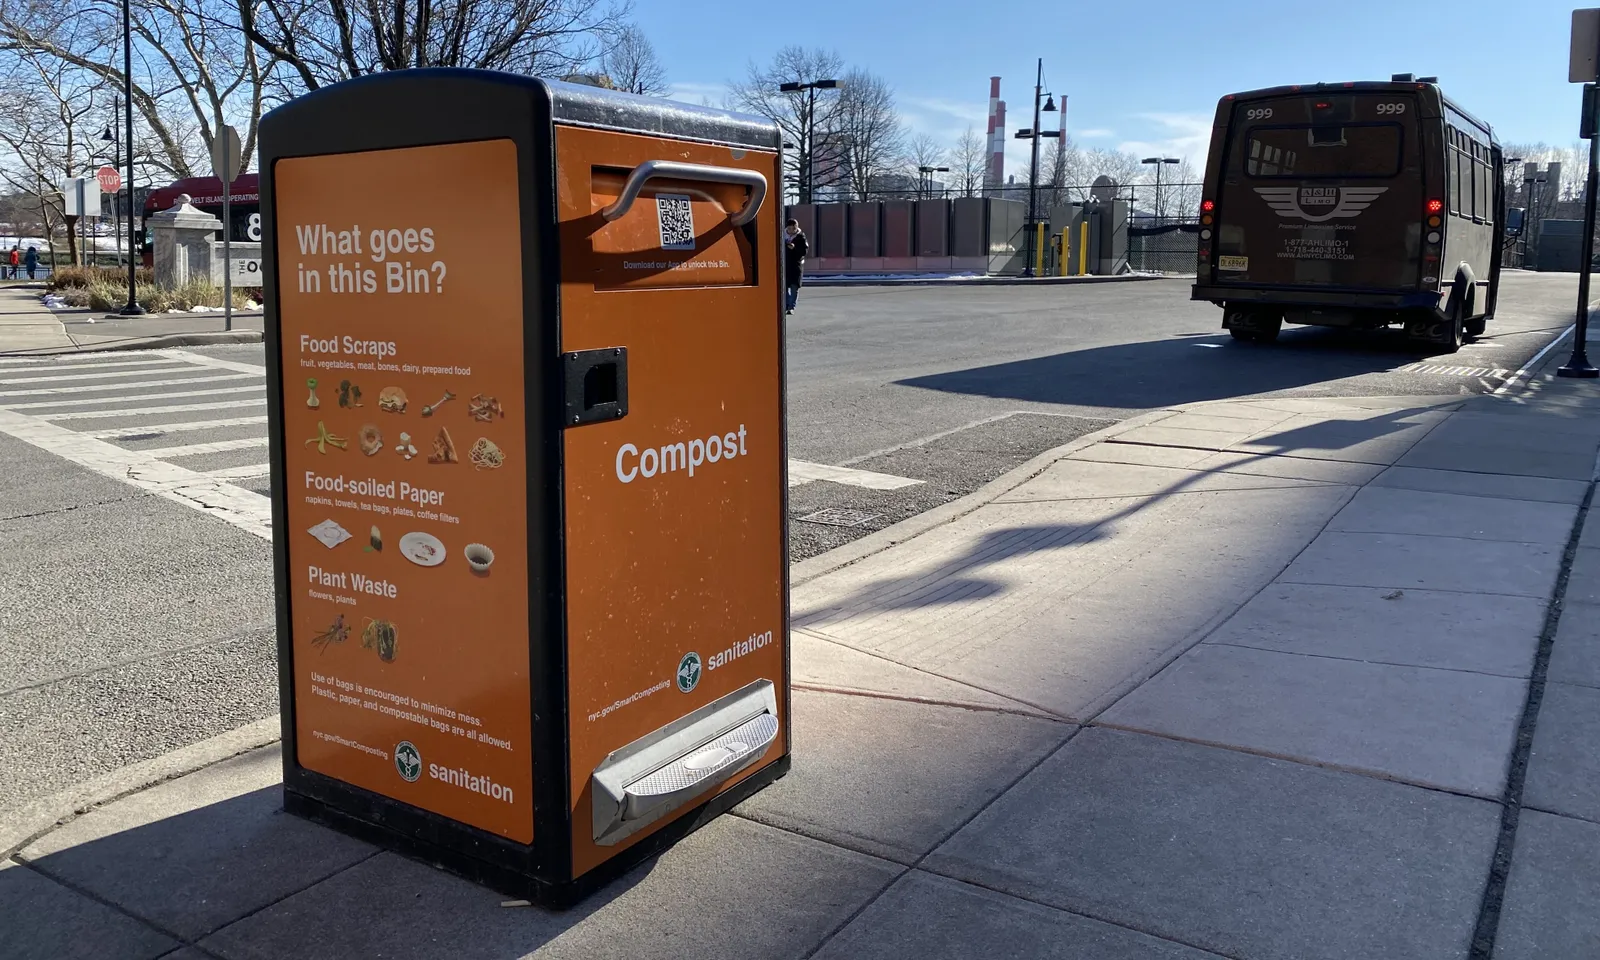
698	93
944	120
1185	135
1093	133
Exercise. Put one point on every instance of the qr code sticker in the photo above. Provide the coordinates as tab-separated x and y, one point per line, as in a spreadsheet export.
677	221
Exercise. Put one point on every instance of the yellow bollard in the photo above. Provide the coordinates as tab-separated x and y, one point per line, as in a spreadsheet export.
1038	250
1083	248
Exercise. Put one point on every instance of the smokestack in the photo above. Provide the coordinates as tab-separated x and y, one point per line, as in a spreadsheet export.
996	143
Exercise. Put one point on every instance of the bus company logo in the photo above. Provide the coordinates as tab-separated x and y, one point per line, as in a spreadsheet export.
1291	203
407	761
688	672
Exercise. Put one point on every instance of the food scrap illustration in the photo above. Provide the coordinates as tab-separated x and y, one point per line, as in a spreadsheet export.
312	400
444	449
370	439
422	549
484	455
374	541
379	635
428	411
484	408
330	533
337	632
349	394
392	400
324	439
405	447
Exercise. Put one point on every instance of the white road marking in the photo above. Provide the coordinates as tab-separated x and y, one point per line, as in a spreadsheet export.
1533	362
142	384
212	496
117	433
241	473
801	471
1210	345
201	359
142	411
84	366
90	401
91	376
198	449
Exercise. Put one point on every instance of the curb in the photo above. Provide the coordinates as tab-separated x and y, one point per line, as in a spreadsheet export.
222	337
869	281
38	817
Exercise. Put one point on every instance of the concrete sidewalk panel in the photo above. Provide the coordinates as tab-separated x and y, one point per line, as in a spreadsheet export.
42	920
1161	435
819	662
1377	439
1438	728
1590	537
1564	765
1571	461
1418	628
1290	468
1583	584
1575	655
1031	601
1544	419
1508	487
934	918
1246	856
1085	480
1533	432
1432	563
1549	909
891	778
1385	510
734	890
197	853
1141	454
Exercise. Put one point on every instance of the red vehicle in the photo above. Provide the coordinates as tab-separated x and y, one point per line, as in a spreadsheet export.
205	193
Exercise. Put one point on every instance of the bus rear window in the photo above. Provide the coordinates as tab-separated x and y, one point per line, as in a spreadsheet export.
1324	150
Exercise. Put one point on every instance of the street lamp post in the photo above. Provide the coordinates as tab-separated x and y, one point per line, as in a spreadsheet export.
1035	134
1159	163
110	136
808	143
132	308
927	175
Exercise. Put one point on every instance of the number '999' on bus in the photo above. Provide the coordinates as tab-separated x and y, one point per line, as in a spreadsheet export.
1351	205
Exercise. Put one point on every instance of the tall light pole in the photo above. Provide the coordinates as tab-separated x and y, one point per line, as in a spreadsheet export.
1035	134
1159	163
111	137
927	175
808	144
132	308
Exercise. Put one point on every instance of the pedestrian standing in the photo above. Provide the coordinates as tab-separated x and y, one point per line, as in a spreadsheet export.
795	249
16	261
31	260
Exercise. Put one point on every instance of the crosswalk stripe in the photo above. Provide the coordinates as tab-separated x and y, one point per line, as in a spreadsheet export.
50	368
90	401
801	471
241	473
150	411
117	433
201	360
98	387
92	376
198	449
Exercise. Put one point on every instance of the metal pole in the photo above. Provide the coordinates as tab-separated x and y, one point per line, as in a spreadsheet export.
811	144
227	233
132	308
1033	171
83	221
1579	365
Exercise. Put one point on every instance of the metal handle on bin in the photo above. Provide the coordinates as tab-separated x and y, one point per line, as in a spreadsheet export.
652	169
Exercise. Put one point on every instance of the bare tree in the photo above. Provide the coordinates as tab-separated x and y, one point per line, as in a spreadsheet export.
323	41
922	151
631	63
968	161
1180	191
871	131
806	118
47	114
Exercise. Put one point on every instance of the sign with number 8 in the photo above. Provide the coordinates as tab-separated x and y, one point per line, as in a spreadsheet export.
253	227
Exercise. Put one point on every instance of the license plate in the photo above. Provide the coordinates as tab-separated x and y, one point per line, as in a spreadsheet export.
1233	263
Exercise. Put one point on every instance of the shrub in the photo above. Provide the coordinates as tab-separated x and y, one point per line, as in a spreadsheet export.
69	278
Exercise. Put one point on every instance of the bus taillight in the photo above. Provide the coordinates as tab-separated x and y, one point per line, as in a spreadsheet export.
1208	205
1434	206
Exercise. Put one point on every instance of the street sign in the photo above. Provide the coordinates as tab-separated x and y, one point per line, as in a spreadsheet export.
245	271
225	154
1582	66
82	196
110	179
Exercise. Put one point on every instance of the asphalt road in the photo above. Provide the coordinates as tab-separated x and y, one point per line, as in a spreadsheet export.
131	625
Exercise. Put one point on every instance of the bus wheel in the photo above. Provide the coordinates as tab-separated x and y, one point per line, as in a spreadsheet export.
1474	327
1268	326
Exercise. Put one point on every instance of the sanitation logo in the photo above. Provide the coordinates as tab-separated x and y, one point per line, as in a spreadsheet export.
689	672
1328	203
407	761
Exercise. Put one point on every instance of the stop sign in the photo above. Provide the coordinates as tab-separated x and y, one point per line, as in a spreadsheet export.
110	179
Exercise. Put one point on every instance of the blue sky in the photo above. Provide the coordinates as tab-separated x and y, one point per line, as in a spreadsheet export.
1142	76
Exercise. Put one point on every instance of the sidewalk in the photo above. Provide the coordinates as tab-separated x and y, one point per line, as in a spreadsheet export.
1246	679
28	327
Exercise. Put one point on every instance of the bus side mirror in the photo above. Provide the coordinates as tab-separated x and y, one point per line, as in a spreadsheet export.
1514	221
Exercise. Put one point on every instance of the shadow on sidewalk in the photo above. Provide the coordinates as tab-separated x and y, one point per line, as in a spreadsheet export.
261	883
1163	373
